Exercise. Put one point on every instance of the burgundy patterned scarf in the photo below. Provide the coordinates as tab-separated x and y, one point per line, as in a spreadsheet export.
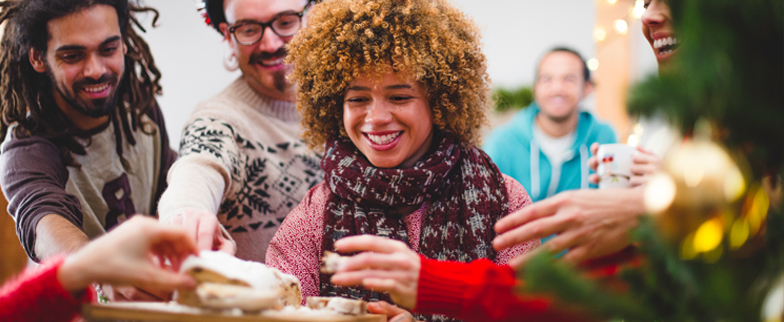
464	189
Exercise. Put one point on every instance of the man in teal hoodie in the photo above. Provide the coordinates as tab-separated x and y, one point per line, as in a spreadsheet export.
546	145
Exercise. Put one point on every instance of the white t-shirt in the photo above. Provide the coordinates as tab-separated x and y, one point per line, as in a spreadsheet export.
555	148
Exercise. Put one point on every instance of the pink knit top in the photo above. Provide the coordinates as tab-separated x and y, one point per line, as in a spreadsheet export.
297	243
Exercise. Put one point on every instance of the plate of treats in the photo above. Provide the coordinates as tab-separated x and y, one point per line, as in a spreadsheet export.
230	289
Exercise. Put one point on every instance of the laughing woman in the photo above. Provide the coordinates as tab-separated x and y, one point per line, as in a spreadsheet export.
396	91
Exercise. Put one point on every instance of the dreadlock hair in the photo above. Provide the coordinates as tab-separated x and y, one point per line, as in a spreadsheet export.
26	96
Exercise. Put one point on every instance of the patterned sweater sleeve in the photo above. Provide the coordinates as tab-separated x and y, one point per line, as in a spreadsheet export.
209	160
518	198
296	245
33	181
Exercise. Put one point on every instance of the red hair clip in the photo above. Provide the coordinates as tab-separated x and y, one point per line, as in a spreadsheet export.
201	7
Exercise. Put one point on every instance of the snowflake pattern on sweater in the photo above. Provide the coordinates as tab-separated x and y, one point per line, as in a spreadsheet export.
242	158
258	177
300	173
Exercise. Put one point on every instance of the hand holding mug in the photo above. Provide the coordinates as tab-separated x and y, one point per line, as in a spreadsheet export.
621	166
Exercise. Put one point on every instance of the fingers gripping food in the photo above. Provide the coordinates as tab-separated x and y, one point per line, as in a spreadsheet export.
332	262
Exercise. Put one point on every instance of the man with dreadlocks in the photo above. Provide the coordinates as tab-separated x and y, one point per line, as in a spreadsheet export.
243	166
84	143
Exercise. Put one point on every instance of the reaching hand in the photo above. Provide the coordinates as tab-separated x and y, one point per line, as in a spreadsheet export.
205	229
385	265
393	313
132	254
589	223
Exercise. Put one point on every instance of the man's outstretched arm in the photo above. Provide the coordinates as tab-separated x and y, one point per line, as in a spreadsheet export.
56	235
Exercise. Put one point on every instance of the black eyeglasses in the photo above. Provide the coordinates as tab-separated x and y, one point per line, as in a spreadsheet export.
284	25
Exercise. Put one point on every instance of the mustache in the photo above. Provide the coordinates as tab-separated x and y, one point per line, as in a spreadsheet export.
265	55
110	78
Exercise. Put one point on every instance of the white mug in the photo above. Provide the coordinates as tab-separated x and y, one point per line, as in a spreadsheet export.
611	181
615	160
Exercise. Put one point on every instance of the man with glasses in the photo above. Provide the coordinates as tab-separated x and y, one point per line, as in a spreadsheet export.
243	166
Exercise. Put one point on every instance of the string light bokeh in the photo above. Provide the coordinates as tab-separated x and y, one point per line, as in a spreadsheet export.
621	25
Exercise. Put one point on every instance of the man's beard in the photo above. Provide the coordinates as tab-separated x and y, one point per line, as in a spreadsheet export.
93	108
280	81
279	77
559	119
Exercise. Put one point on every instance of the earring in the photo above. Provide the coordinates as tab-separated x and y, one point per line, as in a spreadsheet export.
230	60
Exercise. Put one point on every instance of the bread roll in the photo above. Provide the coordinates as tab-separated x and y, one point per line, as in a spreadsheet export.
225	281
337	304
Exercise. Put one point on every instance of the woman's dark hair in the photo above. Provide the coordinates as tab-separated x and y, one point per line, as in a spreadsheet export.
26	96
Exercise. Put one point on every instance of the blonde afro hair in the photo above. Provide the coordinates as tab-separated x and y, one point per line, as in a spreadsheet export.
430	40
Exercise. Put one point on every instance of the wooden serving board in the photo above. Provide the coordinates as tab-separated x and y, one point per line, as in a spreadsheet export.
118	312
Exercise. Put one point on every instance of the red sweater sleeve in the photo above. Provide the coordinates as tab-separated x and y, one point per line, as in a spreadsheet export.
478	291
483	291
37	295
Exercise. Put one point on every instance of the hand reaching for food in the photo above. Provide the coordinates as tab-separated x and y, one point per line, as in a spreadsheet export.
131	254
205	229
385	265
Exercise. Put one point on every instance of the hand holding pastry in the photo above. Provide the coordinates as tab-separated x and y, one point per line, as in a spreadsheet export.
131	254
385	265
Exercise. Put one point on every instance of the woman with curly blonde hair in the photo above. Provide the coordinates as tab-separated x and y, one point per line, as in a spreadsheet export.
396	91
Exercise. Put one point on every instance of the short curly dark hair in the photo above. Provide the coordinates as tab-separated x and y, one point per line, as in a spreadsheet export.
429	39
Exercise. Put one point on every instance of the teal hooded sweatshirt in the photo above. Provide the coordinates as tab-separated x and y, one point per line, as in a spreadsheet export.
513	148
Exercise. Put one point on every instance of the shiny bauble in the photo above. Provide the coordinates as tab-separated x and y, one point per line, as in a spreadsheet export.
698	182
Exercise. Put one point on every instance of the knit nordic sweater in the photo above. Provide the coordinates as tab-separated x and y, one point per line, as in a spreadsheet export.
296	246
242	157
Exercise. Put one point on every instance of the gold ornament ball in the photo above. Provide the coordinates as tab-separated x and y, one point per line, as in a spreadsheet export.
697	184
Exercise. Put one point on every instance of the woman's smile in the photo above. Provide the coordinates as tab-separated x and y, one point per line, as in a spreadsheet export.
388	118
658	29
383	140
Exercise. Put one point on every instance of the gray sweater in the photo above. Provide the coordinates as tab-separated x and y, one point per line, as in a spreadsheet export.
94	197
